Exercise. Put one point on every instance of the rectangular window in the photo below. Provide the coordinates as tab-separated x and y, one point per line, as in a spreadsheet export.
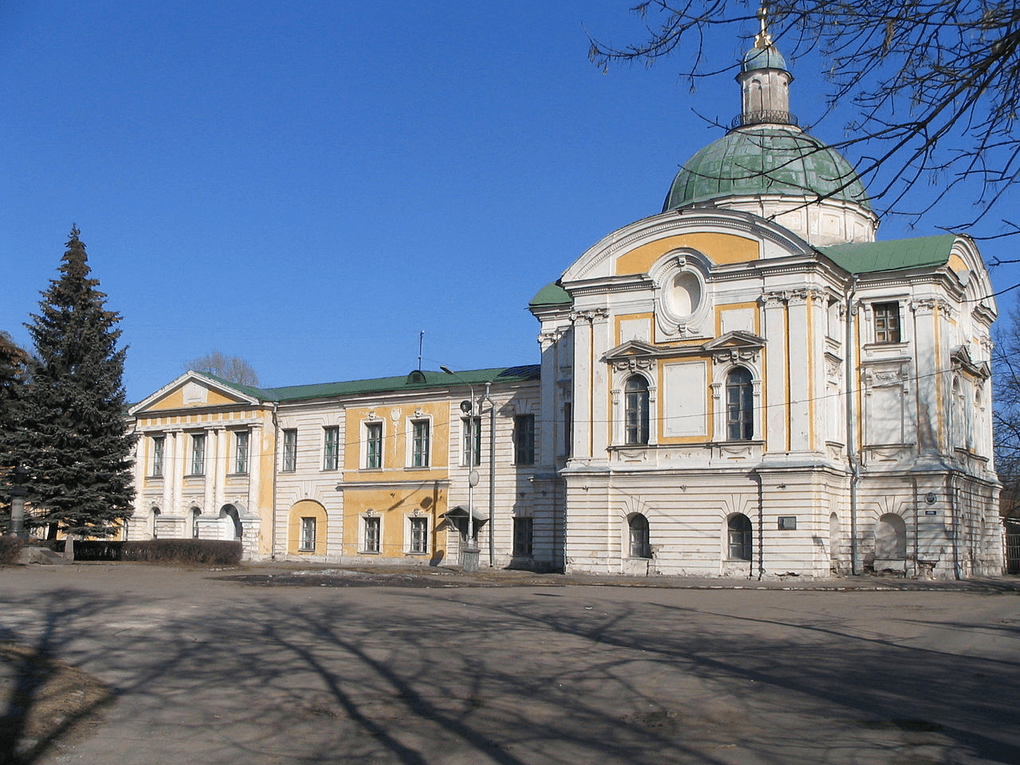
373	445
331	448
524	439
523	535
289	451
241	452
158	443
198	454
420	444
307	535
419	535
887	322
472	427
373	527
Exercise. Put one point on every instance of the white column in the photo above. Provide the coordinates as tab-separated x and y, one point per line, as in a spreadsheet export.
774	397
216	478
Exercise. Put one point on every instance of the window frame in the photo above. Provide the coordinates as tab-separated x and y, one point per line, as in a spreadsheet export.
523	536
475	432
242	443
198	444
421	442
306	540
739	404
636	411
371	532
331	447
739	540
417	535
158	452
289	455
524	439
639	536
888	322
374	445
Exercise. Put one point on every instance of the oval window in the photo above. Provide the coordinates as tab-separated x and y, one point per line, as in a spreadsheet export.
684	294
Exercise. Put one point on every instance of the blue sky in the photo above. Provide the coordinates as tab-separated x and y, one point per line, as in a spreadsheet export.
310	184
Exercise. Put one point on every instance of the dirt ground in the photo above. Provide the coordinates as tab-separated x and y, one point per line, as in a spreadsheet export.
131	663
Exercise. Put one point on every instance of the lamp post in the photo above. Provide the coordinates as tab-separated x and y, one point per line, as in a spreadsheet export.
18	492
470	551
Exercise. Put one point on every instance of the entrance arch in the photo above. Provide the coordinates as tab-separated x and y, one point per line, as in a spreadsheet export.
890	542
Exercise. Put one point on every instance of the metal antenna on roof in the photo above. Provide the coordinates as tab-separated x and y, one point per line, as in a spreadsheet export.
421	342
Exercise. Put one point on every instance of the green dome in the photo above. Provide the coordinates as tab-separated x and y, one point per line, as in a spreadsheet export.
766	160
763	58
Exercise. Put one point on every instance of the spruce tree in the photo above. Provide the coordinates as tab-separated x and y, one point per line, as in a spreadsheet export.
15	366
79	448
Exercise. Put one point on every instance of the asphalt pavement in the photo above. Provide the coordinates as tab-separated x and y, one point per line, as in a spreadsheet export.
284	664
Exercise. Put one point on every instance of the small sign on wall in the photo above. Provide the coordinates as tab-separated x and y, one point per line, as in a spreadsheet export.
788	523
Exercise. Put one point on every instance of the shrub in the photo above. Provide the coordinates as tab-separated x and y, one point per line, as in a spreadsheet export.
9	549
204	552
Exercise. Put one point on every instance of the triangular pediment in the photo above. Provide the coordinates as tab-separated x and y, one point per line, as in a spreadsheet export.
193	390
962	360
737	340
632	349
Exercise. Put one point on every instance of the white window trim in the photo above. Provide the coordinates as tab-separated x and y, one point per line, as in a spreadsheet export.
339	448
363	533
363	449
409	446
408	538
619	405
719	430
247	457
301	534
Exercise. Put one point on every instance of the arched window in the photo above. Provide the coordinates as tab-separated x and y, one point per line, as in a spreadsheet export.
739	405
195	512
740	537
640	546
636	410
155	522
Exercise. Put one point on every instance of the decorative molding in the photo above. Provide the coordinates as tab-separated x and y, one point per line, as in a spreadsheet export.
633	364
590	316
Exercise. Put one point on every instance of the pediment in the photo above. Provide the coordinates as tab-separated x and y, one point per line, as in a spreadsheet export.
632	349
193	390
961	360
736	340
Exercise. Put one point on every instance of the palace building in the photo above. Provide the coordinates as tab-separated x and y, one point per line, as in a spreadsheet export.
746	384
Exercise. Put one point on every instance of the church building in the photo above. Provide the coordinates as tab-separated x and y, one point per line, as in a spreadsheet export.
747	384
759	388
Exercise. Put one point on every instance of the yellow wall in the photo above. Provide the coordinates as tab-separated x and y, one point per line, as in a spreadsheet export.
719	248
393	504
306	508
397	437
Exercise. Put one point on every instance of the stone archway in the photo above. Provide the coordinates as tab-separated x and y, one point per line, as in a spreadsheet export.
890	543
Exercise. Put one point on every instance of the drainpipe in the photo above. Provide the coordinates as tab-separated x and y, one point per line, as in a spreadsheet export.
855	469
276	446
492	473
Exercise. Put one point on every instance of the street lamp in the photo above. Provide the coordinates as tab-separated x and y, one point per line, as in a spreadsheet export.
468	407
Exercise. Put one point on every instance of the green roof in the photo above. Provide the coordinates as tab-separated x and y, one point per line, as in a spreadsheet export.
415	381
895	255
766	160
551	294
